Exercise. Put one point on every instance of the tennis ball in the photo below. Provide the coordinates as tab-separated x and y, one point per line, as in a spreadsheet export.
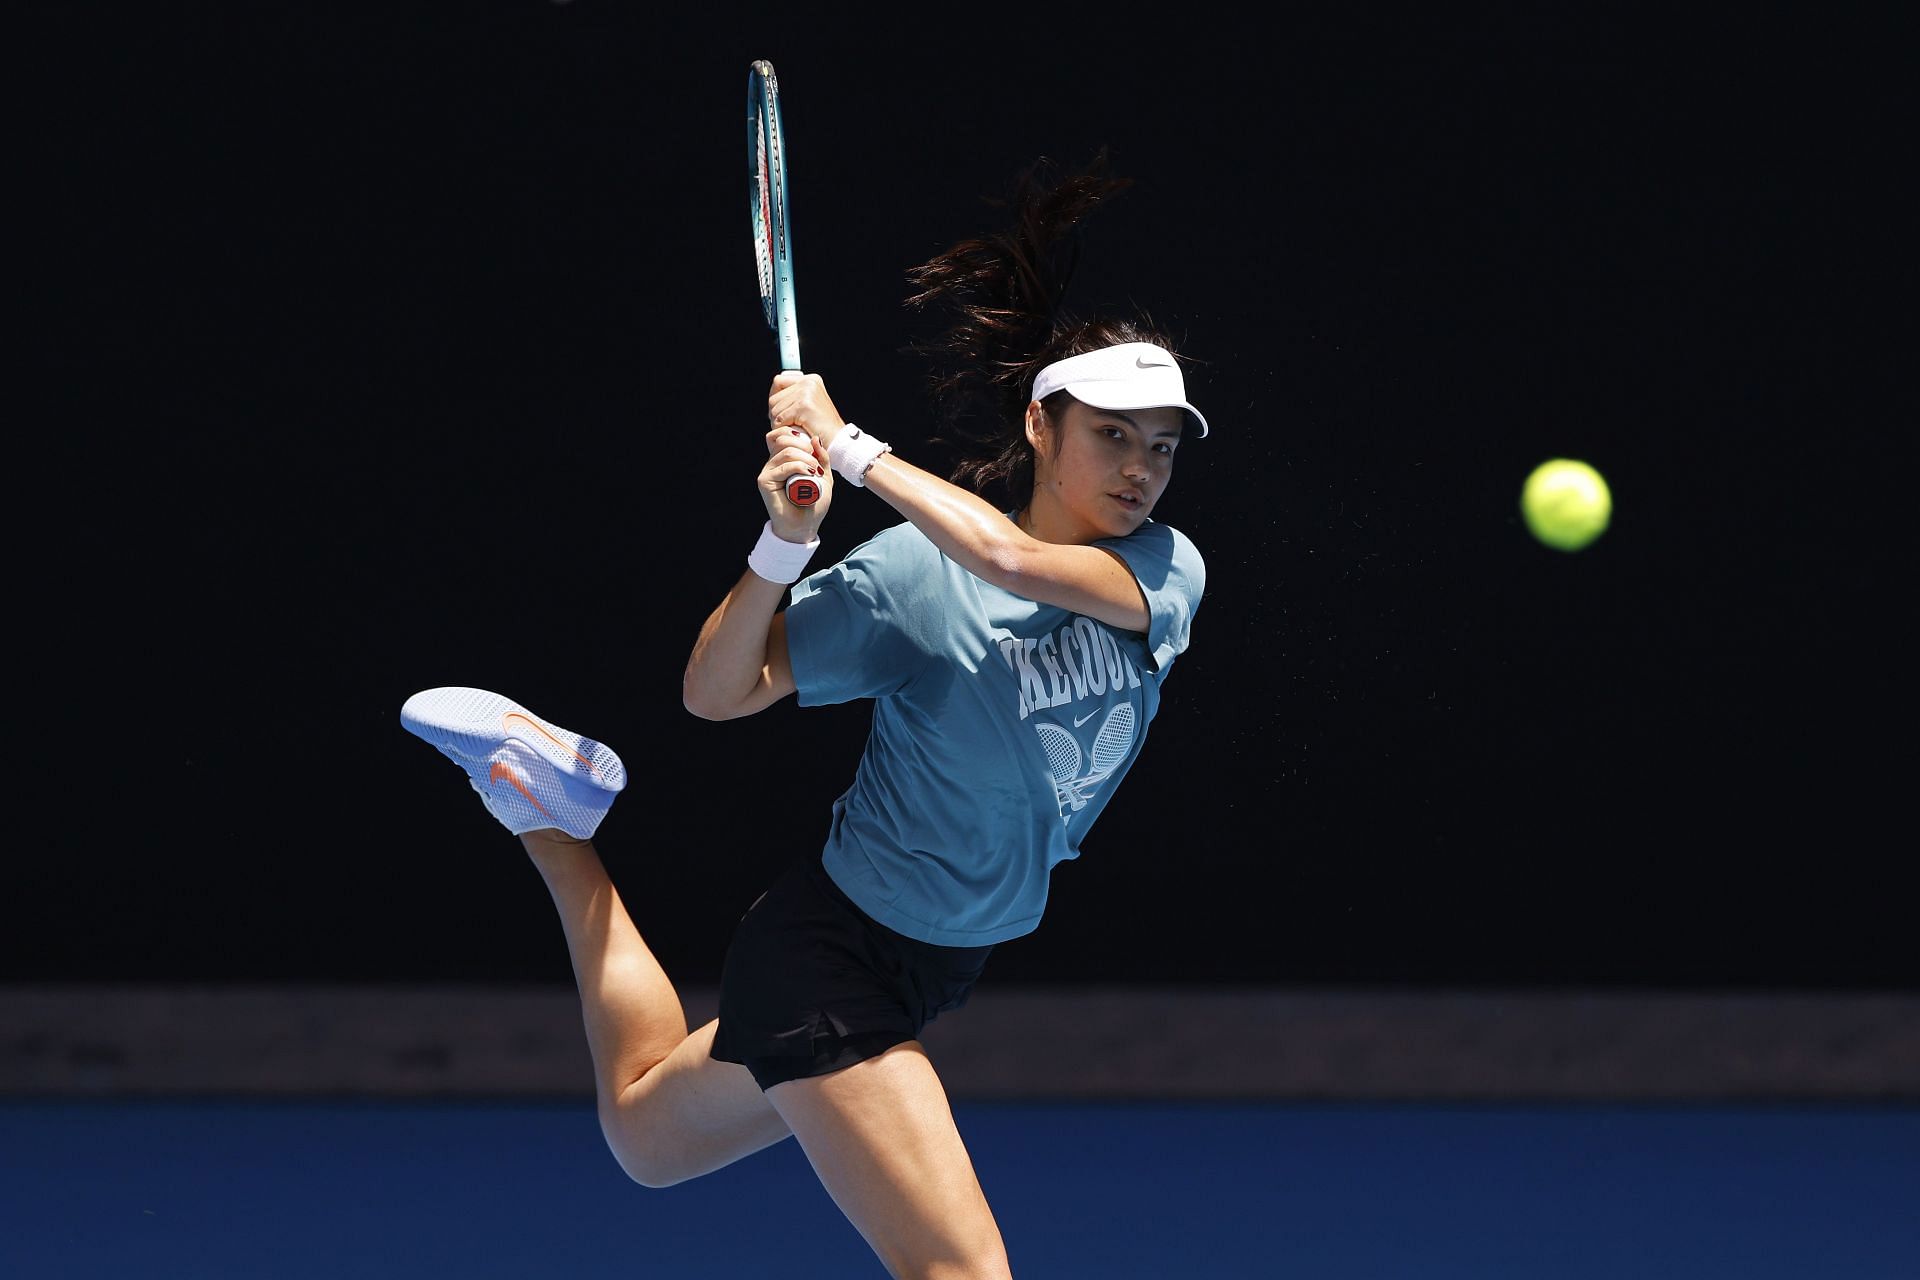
1566	503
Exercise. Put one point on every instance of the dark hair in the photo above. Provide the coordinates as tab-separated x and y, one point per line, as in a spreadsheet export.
1007	291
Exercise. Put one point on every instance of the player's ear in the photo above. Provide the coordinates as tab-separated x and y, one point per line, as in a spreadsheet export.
1036	426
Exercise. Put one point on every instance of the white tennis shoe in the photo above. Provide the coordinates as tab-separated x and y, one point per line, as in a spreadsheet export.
531	775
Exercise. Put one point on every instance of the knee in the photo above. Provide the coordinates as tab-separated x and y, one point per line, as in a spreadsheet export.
656	1156
648	1164
655	1179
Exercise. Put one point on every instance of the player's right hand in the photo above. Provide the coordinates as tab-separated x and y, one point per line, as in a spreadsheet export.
792	452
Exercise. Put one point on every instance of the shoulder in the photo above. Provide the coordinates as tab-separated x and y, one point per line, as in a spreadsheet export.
1157	552
1180	548
1156	538
896	558
900	547
904	538
1172	578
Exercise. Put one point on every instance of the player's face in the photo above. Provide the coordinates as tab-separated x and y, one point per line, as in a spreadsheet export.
1100	471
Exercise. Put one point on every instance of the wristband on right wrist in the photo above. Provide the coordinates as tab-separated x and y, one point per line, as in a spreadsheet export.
853	453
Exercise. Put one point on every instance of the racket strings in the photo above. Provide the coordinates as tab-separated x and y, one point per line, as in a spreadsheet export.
772	245
769	209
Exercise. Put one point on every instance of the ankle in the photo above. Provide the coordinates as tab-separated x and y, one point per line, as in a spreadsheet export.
552	843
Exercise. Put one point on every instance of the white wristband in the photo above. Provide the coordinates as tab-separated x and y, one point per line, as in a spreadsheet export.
776	559
853	452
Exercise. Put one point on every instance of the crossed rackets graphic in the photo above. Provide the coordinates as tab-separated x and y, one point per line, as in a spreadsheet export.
1110	746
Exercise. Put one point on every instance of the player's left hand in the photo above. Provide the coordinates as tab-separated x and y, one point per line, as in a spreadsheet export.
792	452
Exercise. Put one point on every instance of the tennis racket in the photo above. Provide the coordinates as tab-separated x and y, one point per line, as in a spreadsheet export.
772	236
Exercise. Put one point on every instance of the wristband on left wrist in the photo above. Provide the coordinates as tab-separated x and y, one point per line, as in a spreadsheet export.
776	559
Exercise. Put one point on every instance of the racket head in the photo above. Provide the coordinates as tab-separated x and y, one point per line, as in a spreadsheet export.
767	200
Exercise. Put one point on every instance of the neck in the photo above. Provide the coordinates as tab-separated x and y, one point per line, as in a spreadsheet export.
1047	521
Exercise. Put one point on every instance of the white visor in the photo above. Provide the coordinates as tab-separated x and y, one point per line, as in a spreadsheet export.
1132	375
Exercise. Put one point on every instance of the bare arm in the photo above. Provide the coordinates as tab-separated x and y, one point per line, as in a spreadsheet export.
1089	580
967	528
739	663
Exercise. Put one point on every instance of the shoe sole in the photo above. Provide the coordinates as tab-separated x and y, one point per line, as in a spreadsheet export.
474	723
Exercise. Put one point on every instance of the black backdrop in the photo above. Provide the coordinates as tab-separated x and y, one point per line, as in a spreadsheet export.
390	348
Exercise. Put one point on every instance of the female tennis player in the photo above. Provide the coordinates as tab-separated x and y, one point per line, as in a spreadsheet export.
1013	653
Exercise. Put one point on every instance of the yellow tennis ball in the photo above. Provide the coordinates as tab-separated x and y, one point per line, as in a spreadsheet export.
1566	503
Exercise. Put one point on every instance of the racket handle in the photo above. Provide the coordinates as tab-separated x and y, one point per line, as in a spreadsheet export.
803	491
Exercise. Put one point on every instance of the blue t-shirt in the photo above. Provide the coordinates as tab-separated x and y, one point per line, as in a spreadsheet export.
1001	727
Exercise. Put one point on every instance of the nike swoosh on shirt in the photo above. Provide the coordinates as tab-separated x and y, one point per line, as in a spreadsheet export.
1141	362
1083	719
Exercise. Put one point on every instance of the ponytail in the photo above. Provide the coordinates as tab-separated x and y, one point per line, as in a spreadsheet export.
1005	292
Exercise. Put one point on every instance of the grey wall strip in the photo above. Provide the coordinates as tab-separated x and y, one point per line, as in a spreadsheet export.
1012	1042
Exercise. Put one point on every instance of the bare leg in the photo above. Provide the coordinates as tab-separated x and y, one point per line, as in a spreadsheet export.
881	1136
668	1110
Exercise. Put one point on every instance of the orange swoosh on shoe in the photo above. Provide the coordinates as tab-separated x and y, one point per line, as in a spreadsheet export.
512	717
503	772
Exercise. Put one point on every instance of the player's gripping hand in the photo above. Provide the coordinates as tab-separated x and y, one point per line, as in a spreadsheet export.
792	452
801	399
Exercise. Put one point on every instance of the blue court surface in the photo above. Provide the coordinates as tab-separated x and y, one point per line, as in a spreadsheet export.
375	1189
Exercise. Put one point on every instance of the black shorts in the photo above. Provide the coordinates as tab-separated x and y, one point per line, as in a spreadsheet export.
812	983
